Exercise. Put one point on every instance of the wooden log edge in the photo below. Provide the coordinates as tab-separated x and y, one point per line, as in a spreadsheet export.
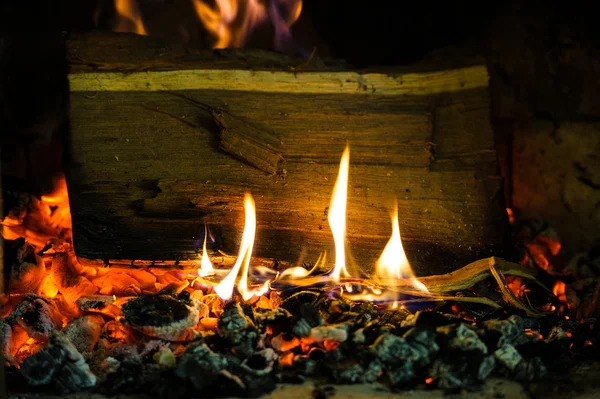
381	84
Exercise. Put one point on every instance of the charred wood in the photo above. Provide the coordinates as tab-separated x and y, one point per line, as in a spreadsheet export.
59	364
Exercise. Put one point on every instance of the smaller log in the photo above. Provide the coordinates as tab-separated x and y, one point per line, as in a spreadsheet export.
59	363
441	284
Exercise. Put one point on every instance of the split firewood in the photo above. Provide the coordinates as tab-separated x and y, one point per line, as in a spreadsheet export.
59	363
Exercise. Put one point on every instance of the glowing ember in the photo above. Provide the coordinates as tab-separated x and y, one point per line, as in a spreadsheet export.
225	287
511	215
128	17
206	267
559	290
337	216
393	262
232	21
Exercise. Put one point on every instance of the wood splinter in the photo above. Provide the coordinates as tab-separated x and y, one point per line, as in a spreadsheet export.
245	141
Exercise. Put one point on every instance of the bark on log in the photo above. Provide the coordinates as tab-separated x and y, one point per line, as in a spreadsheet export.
143	183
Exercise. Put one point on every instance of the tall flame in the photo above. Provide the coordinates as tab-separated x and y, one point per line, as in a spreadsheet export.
232	21
129	18
225	288
393	262
337	216
206	267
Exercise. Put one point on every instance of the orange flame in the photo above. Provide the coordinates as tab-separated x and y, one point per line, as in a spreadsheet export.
129	18
225	288
393	262
559	290
337	216
232	21
206	267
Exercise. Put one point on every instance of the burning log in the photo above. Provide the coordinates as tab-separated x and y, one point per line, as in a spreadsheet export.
143	183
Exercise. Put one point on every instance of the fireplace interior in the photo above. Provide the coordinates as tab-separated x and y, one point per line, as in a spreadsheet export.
330	199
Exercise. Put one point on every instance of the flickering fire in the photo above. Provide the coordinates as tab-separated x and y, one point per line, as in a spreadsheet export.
206	266
393	262
128	17
232	21
559	290
337	216
225	287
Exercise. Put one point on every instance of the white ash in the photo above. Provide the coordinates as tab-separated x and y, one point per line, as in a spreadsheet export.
332	332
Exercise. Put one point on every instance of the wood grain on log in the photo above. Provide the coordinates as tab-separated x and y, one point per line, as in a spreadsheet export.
143	183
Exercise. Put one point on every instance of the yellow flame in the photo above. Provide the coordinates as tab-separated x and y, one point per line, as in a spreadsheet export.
230	22
300	272
393	262
225	288
129	18
337	216
206	267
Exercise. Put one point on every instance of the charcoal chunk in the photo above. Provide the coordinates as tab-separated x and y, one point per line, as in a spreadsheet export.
530	369
424	341
279	318
238	330
394	316
84	332
399	358
504	331
37	315
366	312
201	366
508	356
234	319
460	338
307	317
61	364
161	316
462	371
